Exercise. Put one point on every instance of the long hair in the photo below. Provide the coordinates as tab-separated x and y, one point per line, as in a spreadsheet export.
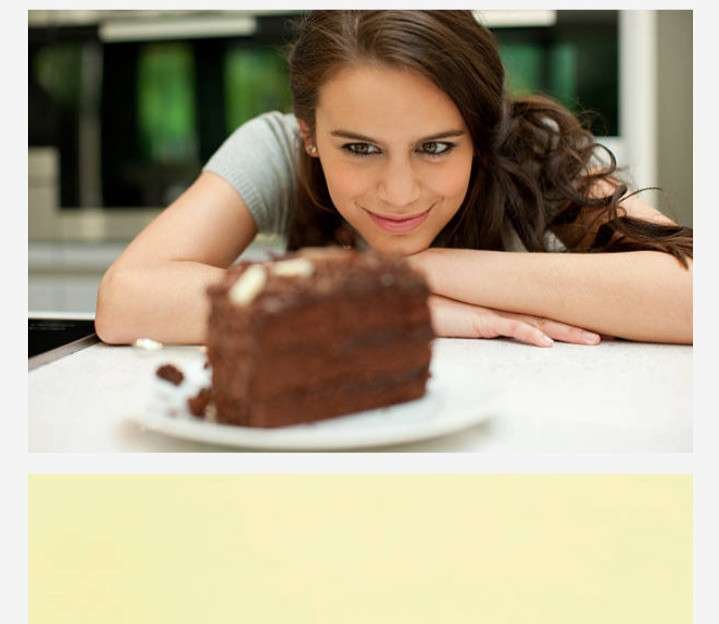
536	166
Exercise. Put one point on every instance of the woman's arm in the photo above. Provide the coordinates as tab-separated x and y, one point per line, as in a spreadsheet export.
643	295
156	288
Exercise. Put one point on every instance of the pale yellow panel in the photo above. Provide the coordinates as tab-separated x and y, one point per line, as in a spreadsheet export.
359	549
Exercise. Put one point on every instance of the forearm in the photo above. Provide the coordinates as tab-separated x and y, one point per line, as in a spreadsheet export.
165	302
636	295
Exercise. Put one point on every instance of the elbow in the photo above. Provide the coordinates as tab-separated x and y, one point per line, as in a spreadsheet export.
110	324
677	301
688	334
684	315
682	329
689	306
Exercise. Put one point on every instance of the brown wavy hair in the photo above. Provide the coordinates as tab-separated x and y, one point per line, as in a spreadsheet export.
536	165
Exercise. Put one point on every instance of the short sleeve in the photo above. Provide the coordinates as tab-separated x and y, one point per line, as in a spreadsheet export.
259	160
512	242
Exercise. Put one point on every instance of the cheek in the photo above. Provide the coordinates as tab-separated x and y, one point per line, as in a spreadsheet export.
452	181
344	181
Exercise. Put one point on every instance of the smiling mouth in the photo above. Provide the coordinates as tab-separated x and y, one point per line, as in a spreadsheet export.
399	219
400	225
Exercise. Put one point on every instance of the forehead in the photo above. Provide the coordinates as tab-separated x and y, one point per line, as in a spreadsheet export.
385	102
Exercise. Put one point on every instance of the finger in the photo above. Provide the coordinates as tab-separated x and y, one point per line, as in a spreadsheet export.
524	332
560	331
569	333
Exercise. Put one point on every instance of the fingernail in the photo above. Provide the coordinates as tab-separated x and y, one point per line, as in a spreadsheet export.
546	340
590	338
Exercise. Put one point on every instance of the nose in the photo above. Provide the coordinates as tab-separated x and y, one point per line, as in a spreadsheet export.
398	185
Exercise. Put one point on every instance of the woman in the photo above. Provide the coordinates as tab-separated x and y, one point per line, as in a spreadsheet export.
404	139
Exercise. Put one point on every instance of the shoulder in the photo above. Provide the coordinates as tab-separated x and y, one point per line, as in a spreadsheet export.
580	232
633	205
269	137
275	122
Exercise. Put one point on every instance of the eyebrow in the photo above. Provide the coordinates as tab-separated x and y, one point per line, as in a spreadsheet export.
346	134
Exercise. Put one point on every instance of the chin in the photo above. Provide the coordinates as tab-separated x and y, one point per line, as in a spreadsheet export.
398	245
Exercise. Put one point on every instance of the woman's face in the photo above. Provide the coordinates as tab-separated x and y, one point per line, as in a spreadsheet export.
396	155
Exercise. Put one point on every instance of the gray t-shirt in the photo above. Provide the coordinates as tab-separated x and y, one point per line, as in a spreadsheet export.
259	160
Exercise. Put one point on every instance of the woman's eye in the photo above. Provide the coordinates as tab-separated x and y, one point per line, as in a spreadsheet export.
431	148
361	149
435	148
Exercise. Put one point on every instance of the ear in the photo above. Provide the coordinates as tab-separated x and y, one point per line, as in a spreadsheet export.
307	138
304	130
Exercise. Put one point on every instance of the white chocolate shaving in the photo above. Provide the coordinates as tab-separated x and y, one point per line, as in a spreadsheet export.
249	285
300	267
148	344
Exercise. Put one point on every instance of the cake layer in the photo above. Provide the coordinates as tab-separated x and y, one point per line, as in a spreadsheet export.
333	400
273	372
337	319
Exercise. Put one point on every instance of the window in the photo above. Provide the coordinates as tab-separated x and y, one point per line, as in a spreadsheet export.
575	61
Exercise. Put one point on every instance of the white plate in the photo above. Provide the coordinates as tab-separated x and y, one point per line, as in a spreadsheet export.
443	410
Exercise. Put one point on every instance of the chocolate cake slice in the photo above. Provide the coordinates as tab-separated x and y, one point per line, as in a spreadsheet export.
315	334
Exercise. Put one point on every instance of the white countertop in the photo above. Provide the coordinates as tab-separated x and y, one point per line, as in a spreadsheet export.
617	396
63	256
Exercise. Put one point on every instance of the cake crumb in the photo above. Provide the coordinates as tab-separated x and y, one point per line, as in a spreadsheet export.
170	372
198	404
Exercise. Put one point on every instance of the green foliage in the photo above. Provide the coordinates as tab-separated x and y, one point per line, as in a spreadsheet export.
256	81
166	102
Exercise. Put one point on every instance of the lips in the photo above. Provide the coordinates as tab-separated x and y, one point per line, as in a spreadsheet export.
399	225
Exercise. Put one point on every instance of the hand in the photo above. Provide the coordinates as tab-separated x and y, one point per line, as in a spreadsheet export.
456	319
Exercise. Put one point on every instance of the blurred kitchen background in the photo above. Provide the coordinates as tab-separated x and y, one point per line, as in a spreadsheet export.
126	106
